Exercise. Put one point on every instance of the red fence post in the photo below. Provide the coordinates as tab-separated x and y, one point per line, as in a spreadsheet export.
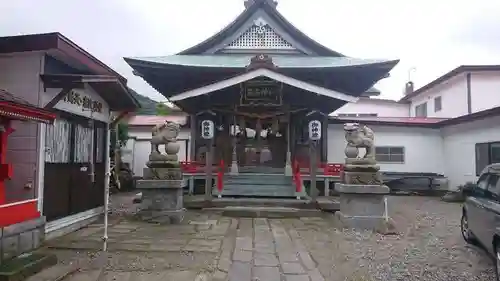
220	175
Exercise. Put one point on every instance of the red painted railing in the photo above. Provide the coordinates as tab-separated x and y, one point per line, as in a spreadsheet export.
192	167
296	176
18	212
329	169
220	176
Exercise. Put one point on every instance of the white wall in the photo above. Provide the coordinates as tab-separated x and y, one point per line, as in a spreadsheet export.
382	108
453	94
141	147
423	147
485	90
460	147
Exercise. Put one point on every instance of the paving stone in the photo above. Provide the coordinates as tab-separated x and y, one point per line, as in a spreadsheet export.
224	264
219	276
204	242
266	273
244	243
297	278
264	248
240	271
307	260
315	275
242	255
288	256
292	268
261	259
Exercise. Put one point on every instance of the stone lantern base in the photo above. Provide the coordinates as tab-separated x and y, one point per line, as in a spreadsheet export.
362	207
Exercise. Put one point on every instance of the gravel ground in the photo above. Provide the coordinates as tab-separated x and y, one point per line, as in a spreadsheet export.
429	246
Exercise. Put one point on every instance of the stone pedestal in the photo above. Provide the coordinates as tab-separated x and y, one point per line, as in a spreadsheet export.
162	200
362	207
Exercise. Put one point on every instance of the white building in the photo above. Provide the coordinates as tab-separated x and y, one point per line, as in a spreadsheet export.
464	90
449	126
138	147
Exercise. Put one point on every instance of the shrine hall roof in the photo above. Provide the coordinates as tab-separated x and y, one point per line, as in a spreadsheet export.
242	61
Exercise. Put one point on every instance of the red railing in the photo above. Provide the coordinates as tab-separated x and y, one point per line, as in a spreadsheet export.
192	167
220	177
329	169
296	176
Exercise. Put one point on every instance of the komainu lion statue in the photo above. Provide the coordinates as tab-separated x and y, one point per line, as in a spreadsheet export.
359	136
166	134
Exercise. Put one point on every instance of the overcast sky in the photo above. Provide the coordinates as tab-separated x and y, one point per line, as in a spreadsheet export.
430	35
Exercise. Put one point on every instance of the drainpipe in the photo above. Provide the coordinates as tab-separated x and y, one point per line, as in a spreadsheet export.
107	176
469	93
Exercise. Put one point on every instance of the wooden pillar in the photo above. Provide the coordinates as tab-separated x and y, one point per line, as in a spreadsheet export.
234	157
194	135
324	139
288	160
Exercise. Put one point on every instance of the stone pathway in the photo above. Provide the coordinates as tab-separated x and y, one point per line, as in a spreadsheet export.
208	247
204	247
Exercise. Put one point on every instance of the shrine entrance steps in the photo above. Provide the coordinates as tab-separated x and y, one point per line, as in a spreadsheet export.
264	212
257	185
263	207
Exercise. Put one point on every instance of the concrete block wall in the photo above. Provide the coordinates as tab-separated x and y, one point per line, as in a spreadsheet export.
21	238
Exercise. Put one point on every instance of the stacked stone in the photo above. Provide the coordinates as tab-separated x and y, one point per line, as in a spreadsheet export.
362	192
162	184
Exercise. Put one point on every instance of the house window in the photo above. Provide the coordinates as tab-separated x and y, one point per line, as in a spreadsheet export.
437	104
421	110
486	154
390	154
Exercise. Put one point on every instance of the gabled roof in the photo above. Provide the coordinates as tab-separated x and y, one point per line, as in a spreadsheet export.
270	9
59	46
459	70
242	61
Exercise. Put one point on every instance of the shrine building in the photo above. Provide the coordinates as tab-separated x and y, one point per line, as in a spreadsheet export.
261	81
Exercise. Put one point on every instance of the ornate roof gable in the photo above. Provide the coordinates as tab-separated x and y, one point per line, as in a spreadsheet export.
260	36
260	29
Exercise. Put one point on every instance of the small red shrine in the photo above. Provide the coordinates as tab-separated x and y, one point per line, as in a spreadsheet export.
14	108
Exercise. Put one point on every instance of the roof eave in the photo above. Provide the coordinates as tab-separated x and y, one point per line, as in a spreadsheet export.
55	42
126	102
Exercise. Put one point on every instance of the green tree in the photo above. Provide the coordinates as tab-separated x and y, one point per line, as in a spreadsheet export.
122	133
162	109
